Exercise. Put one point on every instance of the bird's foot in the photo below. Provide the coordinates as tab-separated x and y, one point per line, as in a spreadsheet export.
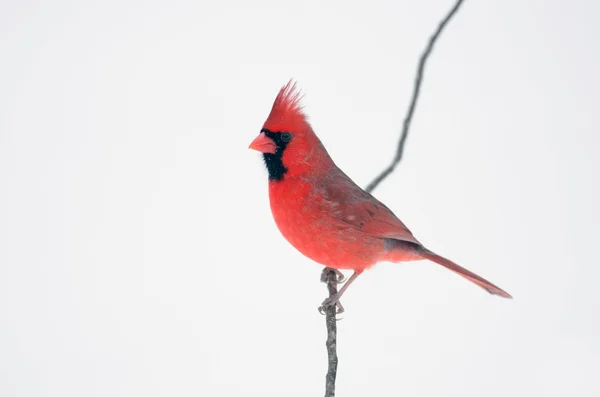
331	301
339	276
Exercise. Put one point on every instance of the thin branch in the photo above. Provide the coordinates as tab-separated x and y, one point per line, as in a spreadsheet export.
330	277
413	103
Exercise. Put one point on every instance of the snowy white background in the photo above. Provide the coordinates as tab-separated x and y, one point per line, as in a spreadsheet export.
138	256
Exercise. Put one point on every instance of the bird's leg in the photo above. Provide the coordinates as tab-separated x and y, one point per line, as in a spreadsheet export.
335	299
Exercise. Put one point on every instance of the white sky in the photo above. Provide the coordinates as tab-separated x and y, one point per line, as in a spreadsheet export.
137	251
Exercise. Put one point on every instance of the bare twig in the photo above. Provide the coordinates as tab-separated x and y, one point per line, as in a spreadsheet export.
413	103
329	276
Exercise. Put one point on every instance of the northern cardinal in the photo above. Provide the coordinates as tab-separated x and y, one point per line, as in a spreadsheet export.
322	212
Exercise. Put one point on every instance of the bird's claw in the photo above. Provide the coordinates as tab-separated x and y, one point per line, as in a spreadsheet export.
339	276
331	301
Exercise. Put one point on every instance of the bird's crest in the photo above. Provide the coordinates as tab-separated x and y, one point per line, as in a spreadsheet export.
287	114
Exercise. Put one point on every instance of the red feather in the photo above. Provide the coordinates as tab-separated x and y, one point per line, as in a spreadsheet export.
287	111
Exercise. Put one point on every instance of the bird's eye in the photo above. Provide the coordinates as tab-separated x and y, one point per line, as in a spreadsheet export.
286	136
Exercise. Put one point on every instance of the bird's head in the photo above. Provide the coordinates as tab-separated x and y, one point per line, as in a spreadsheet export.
287	141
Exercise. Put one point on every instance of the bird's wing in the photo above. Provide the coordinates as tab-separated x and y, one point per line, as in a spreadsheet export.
352	206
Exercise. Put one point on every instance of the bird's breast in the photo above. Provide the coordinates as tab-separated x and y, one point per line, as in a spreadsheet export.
306	219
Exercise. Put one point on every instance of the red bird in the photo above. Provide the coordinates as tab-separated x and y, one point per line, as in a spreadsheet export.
325	215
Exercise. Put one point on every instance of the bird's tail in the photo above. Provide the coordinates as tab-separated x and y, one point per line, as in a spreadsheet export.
483	283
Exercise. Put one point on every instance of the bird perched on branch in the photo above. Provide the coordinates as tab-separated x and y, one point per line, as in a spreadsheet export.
323	213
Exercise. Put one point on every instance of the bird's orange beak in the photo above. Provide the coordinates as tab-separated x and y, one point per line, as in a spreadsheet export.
263	144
